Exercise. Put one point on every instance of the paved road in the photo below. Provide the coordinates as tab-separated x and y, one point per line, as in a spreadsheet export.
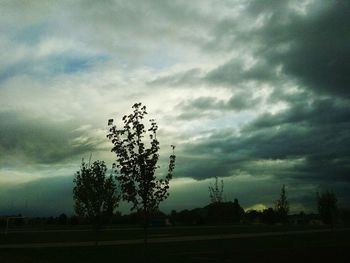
165	239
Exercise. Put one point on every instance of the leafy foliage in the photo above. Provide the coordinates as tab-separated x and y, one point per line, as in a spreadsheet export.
136	161
94	193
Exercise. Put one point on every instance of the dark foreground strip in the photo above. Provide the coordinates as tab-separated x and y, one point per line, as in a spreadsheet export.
166	239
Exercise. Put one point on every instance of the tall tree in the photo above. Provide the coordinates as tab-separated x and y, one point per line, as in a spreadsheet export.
282	206
216	192
95	195
136	163
327	207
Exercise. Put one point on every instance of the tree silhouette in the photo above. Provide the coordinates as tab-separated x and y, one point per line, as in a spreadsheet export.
224	212
282	206
327	207
238	211
136	163
62	219
95	194
216	191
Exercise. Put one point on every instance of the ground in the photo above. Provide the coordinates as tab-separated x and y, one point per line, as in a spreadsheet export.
218	244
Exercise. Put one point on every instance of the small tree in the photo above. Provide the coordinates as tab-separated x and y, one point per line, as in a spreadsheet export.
327	207
238	211
136	163
216	191
62	219
94	193
282	206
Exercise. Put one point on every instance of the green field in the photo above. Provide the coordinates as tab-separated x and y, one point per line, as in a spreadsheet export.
330	246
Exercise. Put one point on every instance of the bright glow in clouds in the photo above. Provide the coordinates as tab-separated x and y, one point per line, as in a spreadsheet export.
257	207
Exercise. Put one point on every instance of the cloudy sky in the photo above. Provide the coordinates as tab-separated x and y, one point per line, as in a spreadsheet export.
255	92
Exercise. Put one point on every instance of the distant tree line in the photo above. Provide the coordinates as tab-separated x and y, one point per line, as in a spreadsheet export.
213	213
221	212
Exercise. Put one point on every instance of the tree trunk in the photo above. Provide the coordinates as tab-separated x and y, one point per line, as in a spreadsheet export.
96	230
145	232
145	228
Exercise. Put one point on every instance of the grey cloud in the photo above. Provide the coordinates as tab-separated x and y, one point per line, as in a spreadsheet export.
313	140
194	168
326	55
316	51
131	27
198	108
203	103
233	73
40	140
208	106
188	77
326	111
242	100
311	49
191	115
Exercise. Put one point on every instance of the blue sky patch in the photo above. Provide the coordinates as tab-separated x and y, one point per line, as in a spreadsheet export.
51	66
31	35
73	64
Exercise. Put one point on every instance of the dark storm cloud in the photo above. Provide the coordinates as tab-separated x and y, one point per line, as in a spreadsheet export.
23	137
312	48
326	111
316	47
314	140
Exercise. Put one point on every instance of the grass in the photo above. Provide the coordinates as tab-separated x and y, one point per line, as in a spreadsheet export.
308	247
